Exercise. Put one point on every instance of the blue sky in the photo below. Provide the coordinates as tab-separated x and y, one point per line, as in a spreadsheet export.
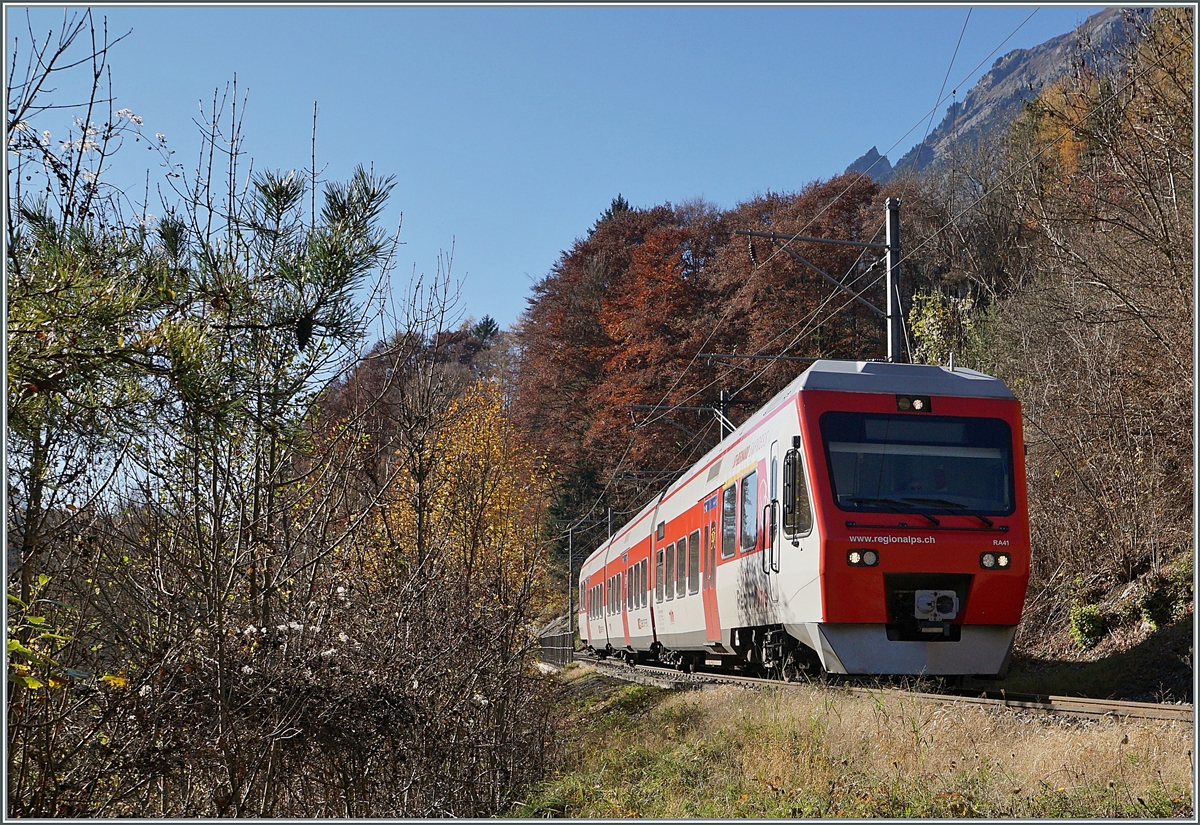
510	129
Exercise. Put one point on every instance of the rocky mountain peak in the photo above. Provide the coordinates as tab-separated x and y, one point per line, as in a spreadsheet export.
996	99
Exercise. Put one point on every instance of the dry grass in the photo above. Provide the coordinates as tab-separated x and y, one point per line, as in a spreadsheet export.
733	752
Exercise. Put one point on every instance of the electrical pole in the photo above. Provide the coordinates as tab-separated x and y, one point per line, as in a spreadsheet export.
571	583
892	312
894	317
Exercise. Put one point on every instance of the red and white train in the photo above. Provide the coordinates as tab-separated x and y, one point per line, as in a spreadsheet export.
870	519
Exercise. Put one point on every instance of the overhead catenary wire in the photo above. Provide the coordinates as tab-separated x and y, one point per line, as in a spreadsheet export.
847	189
1067	131
949	68
1070	128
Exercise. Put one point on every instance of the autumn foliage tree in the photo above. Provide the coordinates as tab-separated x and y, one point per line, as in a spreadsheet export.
622	334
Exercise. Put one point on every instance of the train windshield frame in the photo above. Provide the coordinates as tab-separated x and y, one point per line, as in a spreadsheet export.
906	463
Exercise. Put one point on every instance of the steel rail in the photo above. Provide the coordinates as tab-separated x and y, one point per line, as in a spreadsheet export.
1066	705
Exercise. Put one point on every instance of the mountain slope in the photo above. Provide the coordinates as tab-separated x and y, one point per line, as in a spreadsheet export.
993	103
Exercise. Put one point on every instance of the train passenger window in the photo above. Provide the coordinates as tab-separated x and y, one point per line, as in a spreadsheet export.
729	521
669	573
617	595
797	513
658	576
681	569
749	512
645	583
693	582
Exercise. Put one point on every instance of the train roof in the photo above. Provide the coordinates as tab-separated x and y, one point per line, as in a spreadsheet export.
909	379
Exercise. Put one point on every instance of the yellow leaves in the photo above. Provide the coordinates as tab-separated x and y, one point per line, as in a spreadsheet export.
114	680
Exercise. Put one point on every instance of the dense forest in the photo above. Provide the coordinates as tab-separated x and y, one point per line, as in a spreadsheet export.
262	565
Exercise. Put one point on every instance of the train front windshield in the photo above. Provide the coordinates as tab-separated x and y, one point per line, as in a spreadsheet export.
919	463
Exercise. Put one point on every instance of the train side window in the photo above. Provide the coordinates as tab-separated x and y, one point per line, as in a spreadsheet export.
693	581
681	554
658	576
669	573
749	512
617	595
729	521
645	583
797	513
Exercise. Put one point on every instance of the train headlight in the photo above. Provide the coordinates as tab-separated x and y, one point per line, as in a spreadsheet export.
995	561
862	557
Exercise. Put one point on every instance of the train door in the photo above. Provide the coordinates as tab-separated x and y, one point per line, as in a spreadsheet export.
770	527
708	578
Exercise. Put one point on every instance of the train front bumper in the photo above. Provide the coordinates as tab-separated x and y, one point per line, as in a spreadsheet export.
980	650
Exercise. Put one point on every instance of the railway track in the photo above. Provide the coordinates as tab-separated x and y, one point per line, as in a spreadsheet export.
1066	705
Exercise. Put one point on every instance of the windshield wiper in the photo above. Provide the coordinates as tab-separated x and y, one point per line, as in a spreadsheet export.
954	504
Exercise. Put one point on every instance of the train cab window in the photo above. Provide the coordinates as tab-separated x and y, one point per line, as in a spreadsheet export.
749	512
681	556
669	572
658	575
729	521
693	580
882	462
797	512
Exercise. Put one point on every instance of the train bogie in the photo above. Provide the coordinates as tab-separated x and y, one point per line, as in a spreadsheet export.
869	519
